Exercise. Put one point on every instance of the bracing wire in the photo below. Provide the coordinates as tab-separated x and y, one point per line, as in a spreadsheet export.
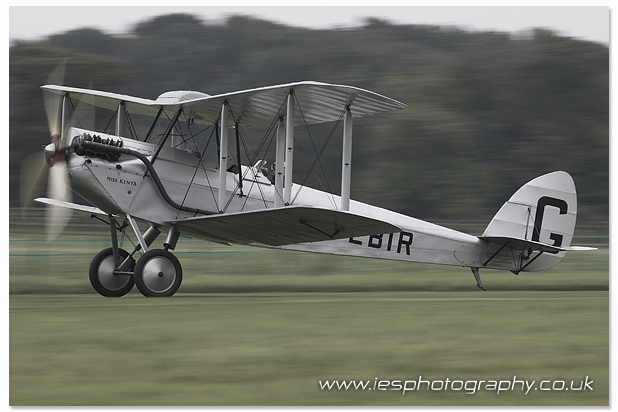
243	138
317	159
197	167
129	122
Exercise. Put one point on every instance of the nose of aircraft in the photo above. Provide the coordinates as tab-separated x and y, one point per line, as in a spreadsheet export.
53	154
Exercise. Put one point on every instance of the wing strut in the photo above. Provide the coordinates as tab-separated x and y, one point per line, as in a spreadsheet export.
346	161
279	162
223	158
120	119
238	163
289	151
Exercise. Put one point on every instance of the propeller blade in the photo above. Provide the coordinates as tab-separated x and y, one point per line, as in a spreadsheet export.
59	187
32	177
53	102
57	218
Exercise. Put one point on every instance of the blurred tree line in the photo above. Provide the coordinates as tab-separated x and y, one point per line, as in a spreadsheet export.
487	111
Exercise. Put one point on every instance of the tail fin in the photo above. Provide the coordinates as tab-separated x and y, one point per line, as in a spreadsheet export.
542	212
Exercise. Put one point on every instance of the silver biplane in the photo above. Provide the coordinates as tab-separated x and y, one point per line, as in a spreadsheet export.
165	181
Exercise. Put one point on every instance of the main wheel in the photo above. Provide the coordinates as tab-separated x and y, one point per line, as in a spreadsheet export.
102	277
158	273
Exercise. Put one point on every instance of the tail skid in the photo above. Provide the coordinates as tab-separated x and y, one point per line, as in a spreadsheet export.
477	277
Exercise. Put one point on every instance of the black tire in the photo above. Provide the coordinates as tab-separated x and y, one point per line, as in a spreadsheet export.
158	273
102	276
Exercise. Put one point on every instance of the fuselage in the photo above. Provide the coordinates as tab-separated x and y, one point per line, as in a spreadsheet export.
124	186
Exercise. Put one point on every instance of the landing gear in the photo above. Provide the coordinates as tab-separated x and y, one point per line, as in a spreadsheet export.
103	277
158	273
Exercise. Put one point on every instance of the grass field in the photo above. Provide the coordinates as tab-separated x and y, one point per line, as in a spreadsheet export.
261	327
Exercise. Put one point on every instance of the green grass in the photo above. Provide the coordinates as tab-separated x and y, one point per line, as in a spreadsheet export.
300	318
272	349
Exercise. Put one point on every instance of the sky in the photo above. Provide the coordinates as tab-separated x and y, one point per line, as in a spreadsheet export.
583	22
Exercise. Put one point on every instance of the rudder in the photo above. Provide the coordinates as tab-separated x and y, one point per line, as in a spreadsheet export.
543	210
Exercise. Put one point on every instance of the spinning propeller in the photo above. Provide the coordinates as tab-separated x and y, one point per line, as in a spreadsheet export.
52	163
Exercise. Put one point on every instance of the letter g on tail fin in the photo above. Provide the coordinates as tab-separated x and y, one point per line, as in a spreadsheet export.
544	210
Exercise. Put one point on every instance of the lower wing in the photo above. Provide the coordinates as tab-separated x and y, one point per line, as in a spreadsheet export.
283	226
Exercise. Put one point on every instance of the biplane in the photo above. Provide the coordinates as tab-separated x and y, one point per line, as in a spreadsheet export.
167	180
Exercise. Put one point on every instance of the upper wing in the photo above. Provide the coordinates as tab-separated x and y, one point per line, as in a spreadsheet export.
283	226
319	103
107	100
